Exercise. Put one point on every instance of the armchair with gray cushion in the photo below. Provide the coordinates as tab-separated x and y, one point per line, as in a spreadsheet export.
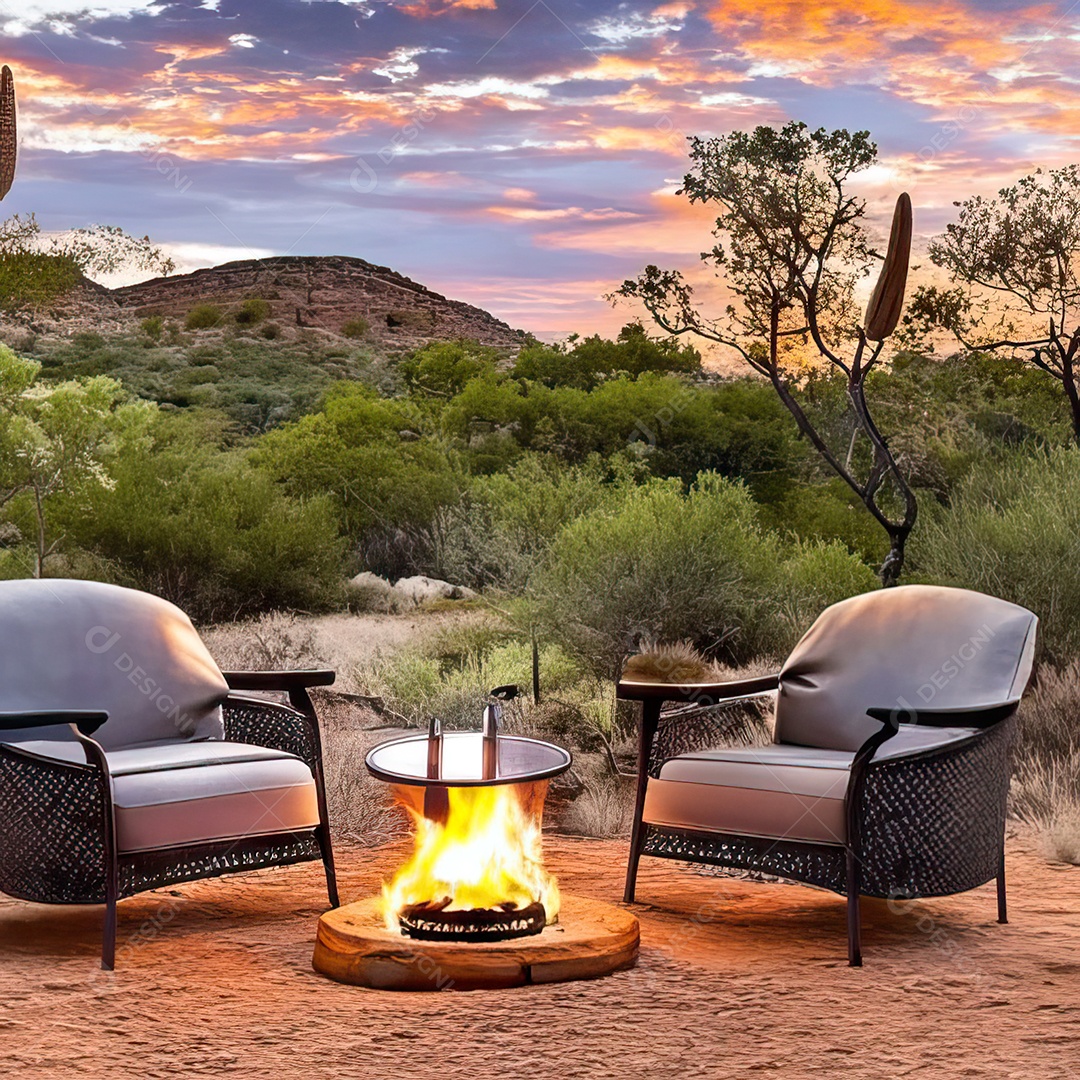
888	772
128	761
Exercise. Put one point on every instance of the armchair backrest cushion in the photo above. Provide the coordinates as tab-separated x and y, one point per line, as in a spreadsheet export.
86	645
916	646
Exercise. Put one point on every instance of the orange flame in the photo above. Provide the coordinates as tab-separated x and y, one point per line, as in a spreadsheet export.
488	852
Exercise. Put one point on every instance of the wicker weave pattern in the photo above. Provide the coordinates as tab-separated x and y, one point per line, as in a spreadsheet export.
266	723
51	813
688	732
933	824
51	844
813	864
152	869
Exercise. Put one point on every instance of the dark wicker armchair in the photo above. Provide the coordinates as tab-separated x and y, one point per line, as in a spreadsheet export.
128	761
889	769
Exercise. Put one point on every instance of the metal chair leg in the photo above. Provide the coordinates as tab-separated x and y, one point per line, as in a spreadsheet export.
1003	911
108	937
650	719
853	923
323	836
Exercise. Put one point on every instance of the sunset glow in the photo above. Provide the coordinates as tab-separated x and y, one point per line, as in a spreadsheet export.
515	154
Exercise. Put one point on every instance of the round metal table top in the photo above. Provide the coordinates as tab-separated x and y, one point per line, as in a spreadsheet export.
520	761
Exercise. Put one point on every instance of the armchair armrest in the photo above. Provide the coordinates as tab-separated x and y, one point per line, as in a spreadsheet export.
86	721
697	693
967	716
278	680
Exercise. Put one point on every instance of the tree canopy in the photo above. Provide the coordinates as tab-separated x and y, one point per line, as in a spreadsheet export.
790	245
1015	266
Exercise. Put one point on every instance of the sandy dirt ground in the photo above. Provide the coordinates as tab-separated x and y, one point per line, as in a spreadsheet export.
735	978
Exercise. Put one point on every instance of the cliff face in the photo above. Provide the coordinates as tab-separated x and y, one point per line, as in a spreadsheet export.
321	293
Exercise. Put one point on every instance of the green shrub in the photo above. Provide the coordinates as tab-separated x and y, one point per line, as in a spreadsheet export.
444	368
497	534
204	317
153	326
34	280
1011	530
209	532
386	483
251	311
355	328
583	363
669	566
419	683
270	331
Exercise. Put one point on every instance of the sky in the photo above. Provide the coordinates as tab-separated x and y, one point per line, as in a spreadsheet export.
521	155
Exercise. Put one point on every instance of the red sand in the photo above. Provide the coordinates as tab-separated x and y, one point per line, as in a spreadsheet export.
735	977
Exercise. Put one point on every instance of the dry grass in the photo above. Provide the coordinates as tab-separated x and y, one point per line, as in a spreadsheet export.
1046	781
678	662
360	806
603	809
276	641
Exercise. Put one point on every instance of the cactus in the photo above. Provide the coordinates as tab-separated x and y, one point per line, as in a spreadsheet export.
8	137
883	311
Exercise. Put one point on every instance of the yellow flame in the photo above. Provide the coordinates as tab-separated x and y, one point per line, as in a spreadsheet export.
488	852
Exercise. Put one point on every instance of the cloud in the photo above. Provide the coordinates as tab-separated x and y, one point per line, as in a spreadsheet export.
532	144
62	16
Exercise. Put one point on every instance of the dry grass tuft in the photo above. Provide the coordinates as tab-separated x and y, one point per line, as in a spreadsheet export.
604	808
678	662
1046	781
360	806
275	641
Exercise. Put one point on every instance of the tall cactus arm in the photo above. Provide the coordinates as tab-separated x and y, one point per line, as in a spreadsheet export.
8	135
883	311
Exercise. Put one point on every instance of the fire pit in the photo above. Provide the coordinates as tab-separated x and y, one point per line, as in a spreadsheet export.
474	906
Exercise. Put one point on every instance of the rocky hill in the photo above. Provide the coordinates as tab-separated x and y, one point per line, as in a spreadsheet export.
321	293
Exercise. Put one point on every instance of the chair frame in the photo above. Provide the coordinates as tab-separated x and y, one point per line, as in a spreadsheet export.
64	849
929	823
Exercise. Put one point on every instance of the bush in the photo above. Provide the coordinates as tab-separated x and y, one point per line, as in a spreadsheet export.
419	683
209	532
204	317
153	326
34	279
499	531
443	368
1011	530
583	363
355	328
363	451
271	331
664	566
251	311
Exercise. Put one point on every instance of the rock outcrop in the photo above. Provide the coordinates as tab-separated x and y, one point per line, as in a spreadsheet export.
323	293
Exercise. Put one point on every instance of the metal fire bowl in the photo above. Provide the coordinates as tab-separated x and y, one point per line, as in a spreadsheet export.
520	761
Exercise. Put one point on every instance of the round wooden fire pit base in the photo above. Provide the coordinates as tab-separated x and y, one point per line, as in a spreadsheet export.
590	939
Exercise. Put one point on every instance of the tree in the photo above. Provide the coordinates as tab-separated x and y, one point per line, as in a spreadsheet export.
790	246
36	270
583	363
1015	264
58	438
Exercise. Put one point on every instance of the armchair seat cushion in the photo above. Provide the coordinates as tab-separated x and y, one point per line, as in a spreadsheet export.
781	790
181	792
220	791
